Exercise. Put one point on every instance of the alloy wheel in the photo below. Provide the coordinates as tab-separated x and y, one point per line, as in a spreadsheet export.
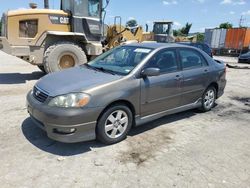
209	99
116	124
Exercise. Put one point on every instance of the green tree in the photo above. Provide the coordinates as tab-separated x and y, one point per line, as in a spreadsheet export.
200	37
0	27
131	23
183	31
226	25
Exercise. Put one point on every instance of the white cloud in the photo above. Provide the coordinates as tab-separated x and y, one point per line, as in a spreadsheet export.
177	24
226	2
170	2
131	18
232	12
233	2
201	1
246	13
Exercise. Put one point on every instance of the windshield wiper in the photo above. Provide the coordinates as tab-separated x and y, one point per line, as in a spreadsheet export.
100	69
105	70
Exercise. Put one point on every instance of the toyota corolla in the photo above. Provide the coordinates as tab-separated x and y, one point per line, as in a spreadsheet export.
124	87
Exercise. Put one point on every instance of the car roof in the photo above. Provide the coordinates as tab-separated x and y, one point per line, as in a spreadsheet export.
155	45
192	43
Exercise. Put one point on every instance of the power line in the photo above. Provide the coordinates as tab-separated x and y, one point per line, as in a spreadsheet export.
242	20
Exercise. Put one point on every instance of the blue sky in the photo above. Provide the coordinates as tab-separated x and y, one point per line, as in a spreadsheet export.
202	13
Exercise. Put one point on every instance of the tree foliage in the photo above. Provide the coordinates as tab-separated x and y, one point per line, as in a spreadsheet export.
226	25
200	37
184	31
0	27
131	23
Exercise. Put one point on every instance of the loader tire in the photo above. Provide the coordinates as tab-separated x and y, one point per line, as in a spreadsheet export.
63	55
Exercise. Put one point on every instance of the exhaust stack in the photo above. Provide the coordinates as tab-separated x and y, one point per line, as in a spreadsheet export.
46	4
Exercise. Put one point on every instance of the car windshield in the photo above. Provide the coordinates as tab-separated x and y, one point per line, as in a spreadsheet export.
121	60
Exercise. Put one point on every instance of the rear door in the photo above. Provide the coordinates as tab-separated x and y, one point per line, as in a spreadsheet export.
195	75
160	93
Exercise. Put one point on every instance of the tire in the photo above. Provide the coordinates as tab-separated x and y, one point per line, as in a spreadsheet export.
208	99
63	55
112	129
41	67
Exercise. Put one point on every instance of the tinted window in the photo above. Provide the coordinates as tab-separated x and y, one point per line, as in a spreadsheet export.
94	6
87	8
191	59
28	28
165	60
66	5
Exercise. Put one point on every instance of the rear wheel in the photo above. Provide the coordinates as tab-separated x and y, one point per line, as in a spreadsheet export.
208	99
63	55
114	124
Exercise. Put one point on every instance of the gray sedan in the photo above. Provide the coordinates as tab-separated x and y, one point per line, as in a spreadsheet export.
127	86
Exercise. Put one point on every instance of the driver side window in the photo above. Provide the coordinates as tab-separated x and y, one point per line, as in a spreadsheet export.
165	60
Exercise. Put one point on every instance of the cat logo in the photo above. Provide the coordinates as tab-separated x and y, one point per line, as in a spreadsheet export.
55	19
64	20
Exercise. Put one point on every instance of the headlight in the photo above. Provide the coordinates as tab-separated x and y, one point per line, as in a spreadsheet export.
72	100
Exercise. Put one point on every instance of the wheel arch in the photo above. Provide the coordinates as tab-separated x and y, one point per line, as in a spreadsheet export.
51	37
216	86
120	102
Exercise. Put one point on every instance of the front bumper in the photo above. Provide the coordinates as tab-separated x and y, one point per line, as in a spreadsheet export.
67	125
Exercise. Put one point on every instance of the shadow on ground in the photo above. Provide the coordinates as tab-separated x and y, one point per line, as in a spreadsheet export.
38	137
19	78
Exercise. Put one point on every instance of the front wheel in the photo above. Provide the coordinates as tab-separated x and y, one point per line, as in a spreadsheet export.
208	99
63	55
114	124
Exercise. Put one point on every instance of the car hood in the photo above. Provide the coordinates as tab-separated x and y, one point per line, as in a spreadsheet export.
75	79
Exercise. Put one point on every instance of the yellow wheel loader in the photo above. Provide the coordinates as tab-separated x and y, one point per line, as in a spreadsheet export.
117	34
54	39
162	32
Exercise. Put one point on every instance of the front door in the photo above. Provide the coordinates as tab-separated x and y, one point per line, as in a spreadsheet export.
161	93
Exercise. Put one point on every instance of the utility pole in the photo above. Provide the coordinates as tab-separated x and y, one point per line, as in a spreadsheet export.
46	4
241	21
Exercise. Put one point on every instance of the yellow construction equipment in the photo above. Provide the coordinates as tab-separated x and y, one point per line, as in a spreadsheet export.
55	39
118	34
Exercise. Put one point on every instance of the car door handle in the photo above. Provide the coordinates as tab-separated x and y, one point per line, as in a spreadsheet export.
206	71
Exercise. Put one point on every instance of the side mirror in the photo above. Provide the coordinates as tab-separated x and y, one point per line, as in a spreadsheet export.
150	72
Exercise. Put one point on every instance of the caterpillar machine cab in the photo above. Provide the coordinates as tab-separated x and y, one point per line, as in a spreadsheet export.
55	39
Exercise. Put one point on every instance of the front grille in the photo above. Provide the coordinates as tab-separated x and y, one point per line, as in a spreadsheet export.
39	95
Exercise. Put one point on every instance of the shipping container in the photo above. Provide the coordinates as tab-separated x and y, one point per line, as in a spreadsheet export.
208	36
215	39
237	38
222	38
247	39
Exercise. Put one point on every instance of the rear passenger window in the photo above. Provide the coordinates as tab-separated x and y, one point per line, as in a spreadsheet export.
191	59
